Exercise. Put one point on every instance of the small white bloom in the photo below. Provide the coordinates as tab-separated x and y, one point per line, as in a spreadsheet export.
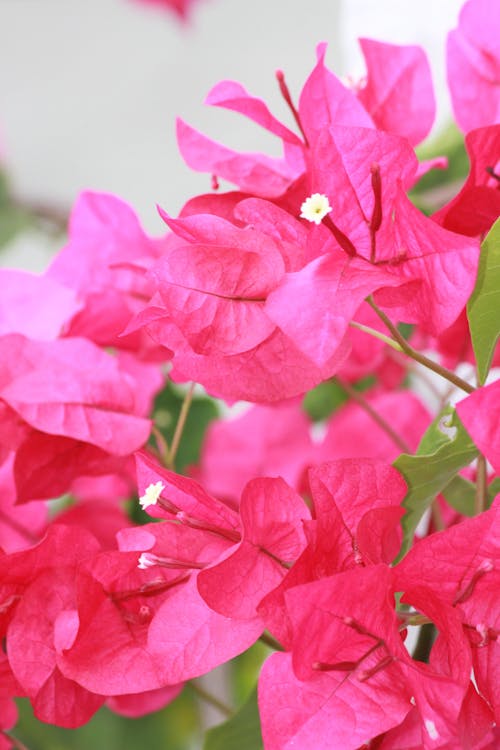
315	208
151	495
431	729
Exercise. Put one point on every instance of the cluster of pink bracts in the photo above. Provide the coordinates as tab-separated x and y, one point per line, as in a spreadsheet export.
254	302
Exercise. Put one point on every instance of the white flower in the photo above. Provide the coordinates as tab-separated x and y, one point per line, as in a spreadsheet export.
151	495
315	208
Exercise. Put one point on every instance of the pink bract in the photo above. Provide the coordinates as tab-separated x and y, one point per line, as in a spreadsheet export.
474	65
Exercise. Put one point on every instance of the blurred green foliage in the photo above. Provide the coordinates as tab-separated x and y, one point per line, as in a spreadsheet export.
166	412
240	732
176	727
12	218
438	186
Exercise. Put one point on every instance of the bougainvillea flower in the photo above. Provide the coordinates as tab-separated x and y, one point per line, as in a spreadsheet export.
324	101
439	687
115	597
104	262
264	441
477	206
185	638
45	466
261	541
372	211
103	521
36	306
330	290
256	174
184	496
357	510
68	407
9	687
398	93
345	627
272	537
341	686
44	575
20	526
474	728
214	288
480	413
69	387
473	62
469	552
225	329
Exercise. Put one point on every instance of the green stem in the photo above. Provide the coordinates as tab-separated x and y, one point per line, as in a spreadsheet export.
376	334
179	427
424	643
209	698
377	418
437	516
417	356
271	642
418	372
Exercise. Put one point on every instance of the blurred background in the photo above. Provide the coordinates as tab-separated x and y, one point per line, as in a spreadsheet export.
89	93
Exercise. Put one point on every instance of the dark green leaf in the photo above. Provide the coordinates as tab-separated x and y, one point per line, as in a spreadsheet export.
240	732
483	308
444	449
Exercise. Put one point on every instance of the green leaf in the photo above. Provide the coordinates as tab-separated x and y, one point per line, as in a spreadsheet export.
493	489
484	305
327	397
445	448
460	493
240	732
323	400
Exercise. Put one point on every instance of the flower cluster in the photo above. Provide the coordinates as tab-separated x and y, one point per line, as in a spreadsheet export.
315	269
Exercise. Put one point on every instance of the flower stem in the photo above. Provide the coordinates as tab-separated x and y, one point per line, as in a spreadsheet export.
179	427
418	356
377	418
376	334
424	643
40	211
209	698
271	642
